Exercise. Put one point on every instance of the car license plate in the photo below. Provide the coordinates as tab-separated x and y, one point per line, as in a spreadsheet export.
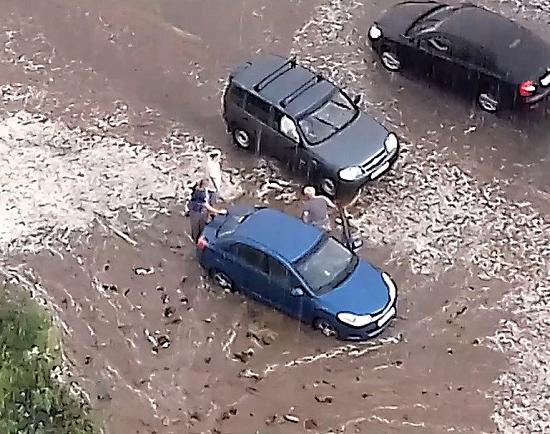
386	317
380	170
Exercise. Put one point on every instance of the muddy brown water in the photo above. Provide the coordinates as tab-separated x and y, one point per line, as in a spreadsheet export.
428	374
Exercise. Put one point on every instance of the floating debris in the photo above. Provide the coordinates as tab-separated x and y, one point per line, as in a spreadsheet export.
247	373
168	312
324	399
244	356
310	424
164	341
144	271
292	418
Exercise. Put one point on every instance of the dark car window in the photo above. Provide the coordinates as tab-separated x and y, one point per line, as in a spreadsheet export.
279	273
331	117
236	94
440	44
258	108
327	266
250	256
432	21
436	44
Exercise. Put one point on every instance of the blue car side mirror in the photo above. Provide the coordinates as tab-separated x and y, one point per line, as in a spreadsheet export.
297	292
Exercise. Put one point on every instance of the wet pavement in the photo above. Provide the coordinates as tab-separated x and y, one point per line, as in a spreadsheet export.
157	348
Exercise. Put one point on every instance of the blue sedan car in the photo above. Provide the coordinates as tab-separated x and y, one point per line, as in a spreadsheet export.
294	267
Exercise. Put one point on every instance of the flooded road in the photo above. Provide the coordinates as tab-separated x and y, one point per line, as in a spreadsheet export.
460	221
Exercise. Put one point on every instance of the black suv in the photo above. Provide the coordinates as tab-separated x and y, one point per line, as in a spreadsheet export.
276	107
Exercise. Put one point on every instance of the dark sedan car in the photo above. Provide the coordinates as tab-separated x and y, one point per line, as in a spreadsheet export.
275	106
469	48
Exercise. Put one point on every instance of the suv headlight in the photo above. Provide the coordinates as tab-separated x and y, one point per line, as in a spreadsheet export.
355	320
350	173
391	287
391	143
375	32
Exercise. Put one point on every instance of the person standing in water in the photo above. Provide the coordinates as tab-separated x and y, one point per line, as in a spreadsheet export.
200	207
315	209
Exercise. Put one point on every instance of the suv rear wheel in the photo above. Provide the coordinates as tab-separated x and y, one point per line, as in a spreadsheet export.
241	138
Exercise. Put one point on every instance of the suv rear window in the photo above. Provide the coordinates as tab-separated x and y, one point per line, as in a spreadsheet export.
258	108
235	94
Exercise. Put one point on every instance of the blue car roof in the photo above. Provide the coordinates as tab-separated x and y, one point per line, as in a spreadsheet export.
281	233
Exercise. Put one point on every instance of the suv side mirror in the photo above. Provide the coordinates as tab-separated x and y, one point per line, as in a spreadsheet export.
357	99
297	292
289	129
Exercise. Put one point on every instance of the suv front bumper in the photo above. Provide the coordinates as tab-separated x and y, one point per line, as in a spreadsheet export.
351	187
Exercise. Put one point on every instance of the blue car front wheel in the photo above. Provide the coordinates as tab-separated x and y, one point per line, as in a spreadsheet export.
325	327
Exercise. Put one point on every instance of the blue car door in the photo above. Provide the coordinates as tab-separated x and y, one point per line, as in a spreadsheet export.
249	270
283	295
279	283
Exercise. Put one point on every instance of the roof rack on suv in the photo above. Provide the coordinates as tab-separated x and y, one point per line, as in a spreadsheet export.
275	74
295	94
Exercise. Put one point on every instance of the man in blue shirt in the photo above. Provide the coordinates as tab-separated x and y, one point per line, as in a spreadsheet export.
199	208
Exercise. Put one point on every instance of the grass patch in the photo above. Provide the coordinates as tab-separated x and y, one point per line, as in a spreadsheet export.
31	400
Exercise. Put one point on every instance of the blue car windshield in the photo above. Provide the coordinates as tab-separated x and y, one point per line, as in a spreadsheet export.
327	266
331	117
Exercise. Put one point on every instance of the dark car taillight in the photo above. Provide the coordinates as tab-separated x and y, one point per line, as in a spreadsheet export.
202	243
527	88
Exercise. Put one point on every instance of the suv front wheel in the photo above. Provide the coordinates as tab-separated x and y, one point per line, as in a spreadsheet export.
328	187
242	139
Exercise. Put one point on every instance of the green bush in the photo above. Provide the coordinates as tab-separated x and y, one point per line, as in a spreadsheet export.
31	401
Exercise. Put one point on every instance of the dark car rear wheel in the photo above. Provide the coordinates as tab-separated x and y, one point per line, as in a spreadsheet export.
488	102
242	139
328	187
325	327
222	280
390	60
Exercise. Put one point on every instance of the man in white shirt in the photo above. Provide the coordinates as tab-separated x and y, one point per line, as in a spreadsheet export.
214	172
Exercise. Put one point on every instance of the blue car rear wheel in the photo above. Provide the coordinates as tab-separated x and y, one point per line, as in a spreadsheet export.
222	280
